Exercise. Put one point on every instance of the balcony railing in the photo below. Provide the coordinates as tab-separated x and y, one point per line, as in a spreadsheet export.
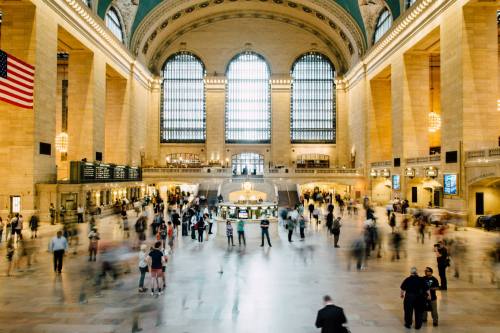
423	160
381	164
481	154
226	172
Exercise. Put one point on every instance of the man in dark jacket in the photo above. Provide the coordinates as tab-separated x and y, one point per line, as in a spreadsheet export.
331	318
414	290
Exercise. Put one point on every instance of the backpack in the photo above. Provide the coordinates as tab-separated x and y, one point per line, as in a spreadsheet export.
336	224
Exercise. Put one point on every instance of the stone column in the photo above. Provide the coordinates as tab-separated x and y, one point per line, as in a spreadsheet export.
215	106
410	105
117	120
30	35
280	121
379	146
153	126
86	105
342	147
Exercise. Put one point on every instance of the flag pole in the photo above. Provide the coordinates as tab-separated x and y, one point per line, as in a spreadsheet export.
1	16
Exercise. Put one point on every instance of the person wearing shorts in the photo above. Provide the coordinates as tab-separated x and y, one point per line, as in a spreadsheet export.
156	260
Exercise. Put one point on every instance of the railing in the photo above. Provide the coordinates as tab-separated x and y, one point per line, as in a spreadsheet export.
423	160
381	164
484	153
226	172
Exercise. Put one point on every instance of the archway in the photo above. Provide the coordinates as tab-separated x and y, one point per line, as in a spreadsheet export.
247	164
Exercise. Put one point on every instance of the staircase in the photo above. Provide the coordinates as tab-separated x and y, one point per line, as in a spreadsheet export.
287	197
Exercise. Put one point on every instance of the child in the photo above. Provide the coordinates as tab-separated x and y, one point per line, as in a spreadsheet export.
229	233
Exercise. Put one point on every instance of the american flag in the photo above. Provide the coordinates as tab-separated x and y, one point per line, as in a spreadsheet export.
16	81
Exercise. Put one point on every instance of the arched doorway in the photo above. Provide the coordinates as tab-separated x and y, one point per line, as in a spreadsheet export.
247	164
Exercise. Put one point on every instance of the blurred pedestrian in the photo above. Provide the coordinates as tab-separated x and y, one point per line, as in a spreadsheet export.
143	266
10	254
2	226
302	227
443	261
392	221
94	238
52	213
336	231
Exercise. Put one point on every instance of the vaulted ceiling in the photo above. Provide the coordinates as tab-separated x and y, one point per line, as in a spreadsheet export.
345	26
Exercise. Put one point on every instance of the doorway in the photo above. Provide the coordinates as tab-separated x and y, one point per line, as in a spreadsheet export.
247	164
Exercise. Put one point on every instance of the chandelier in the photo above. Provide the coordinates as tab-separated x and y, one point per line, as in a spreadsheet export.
434	122
62	142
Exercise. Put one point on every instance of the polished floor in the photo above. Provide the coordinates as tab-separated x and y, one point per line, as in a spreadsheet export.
213	288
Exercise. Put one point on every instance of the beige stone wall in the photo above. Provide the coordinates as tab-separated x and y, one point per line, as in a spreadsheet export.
379	146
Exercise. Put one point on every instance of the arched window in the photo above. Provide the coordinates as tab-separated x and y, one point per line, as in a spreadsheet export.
248	112
183	99
313	100
409	3
384	23
113	23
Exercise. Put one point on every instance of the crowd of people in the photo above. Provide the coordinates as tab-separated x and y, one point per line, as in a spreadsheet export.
158	225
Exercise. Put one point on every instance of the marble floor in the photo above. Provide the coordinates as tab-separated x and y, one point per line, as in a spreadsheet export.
213	288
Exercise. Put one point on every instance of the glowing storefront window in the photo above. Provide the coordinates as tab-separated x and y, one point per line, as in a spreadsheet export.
183	99
313	100
248	114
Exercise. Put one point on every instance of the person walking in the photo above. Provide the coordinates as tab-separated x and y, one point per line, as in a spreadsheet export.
331	318
143	266
241	232
443	261
201	228
290	226
414	292
316	213
392	221
264	227
302	227
229	233
2	226
57	246
336	231
52	213
79	214
10	254
93	243
432	286
62	214
33	224
311	210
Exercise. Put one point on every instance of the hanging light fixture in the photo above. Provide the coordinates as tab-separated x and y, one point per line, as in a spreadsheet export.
62	142
434	122
434	118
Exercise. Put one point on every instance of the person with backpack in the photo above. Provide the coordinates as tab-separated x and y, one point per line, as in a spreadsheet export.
336	231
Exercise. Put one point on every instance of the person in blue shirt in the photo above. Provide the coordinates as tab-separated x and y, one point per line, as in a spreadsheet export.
57	246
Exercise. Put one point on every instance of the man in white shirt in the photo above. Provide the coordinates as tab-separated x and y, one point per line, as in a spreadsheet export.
57	246
79	213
